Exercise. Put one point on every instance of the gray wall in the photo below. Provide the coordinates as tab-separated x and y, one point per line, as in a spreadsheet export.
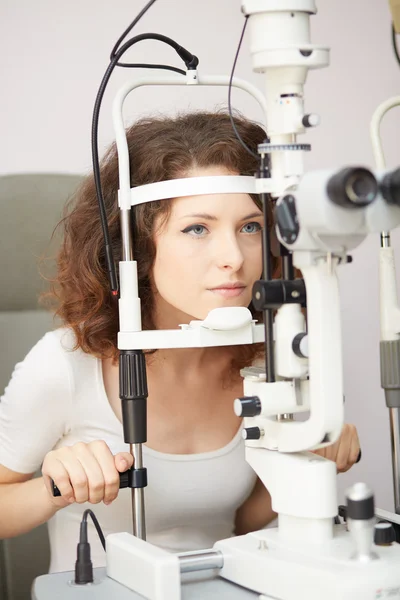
54	55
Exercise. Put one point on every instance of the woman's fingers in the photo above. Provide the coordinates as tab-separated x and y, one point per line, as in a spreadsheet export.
109	469
85	472
123	461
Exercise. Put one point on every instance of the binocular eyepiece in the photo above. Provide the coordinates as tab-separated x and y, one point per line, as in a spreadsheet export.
390	187
352	187
355	187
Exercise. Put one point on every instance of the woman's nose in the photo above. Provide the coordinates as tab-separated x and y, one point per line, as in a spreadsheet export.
229	253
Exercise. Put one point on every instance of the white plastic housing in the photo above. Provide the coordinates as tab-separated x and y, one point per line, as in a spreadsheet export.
283	473
265	562
389	307
381	216
289	322
276	398
129	302
222	327
190	336
325	385
142	567
281	49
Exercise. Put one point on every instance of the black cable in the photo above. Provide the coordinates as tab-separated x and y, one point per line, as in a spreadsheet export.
83	563
96	524
245	146
395	48
131	26
146	66
191	62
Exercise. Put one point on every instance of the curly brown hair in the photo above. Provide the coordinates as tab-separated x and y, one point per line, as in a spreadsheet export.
160	148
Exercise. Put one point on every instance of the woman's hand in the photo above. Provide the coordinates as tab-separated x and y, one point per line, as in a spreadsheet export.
84	473
345	451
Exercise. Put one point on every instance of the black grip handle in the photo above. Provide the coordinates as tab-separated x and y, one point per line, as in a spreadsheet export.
124	482
359	457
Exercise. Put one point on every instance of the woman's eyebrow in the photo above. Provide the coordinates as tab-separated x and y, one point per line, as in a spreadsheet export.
214	218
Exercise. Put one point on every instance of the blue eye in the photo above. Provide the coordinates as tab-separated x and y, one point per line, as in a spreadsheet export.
195	230
253	227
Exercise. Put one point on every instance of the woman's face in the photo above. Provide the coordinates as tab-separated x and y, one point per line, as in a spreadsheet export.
209	243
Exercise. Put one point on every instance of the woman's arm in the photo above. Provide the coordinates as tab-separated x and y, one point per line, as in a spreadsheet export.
25	503
256	512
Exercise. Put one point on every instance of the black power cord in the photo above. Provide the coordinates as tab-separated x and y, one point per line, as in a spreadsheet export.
245	146
83	564
130	27
191	62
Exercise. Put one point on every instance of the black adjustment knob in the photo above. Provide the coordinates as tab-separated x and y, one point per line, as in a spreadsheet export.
360	503
384	534
299	346
249	406
252	433
310	120
133	394
273	294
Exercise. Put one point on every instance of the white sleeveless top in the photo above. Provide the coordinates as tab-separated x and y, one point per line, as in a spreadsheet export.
55	398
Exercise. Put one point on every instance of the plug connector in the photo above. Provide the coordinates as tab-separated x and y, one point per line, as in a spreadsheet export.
83	564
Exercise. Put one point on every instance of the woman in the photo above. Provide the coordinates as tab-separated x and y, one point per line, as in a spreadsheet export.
61	409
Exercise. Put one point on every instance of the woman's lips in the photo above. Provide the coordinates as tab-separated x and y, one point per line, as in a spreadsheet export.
228	292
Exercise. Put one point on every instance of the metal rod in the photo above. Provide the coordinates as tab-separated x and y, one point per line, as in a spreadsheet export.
267	276
137	494
385	239
285	417
138	512
268	315
126	235
287	264
395	442
200	560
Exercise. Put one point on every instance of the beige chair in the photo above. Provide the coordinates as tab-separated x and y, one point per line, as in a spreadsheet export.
30	207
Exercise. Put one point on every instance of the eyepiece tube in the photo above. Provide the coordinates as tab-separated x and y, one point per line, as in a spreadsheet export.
352	187
390	187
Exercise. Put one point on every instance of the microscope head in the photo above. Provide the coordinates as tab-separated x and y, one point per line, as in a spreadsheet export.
333	211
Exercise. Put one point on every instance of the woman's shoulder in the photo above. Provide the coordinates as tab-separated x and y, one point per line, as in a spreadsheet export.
60	341
58	349
55	362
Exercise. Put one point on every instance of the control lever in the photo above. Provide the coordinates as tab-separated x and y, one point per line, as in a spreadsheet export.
125	480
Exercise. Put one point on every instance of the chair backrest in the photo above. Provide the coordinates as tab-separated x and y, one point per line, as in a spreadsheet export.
30	207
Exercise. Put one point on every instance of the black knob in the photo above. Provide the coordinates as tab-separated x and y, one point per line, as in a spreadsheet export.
384	534
273	294
252	433
360	503
298	348
249	406
310	120
342	512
